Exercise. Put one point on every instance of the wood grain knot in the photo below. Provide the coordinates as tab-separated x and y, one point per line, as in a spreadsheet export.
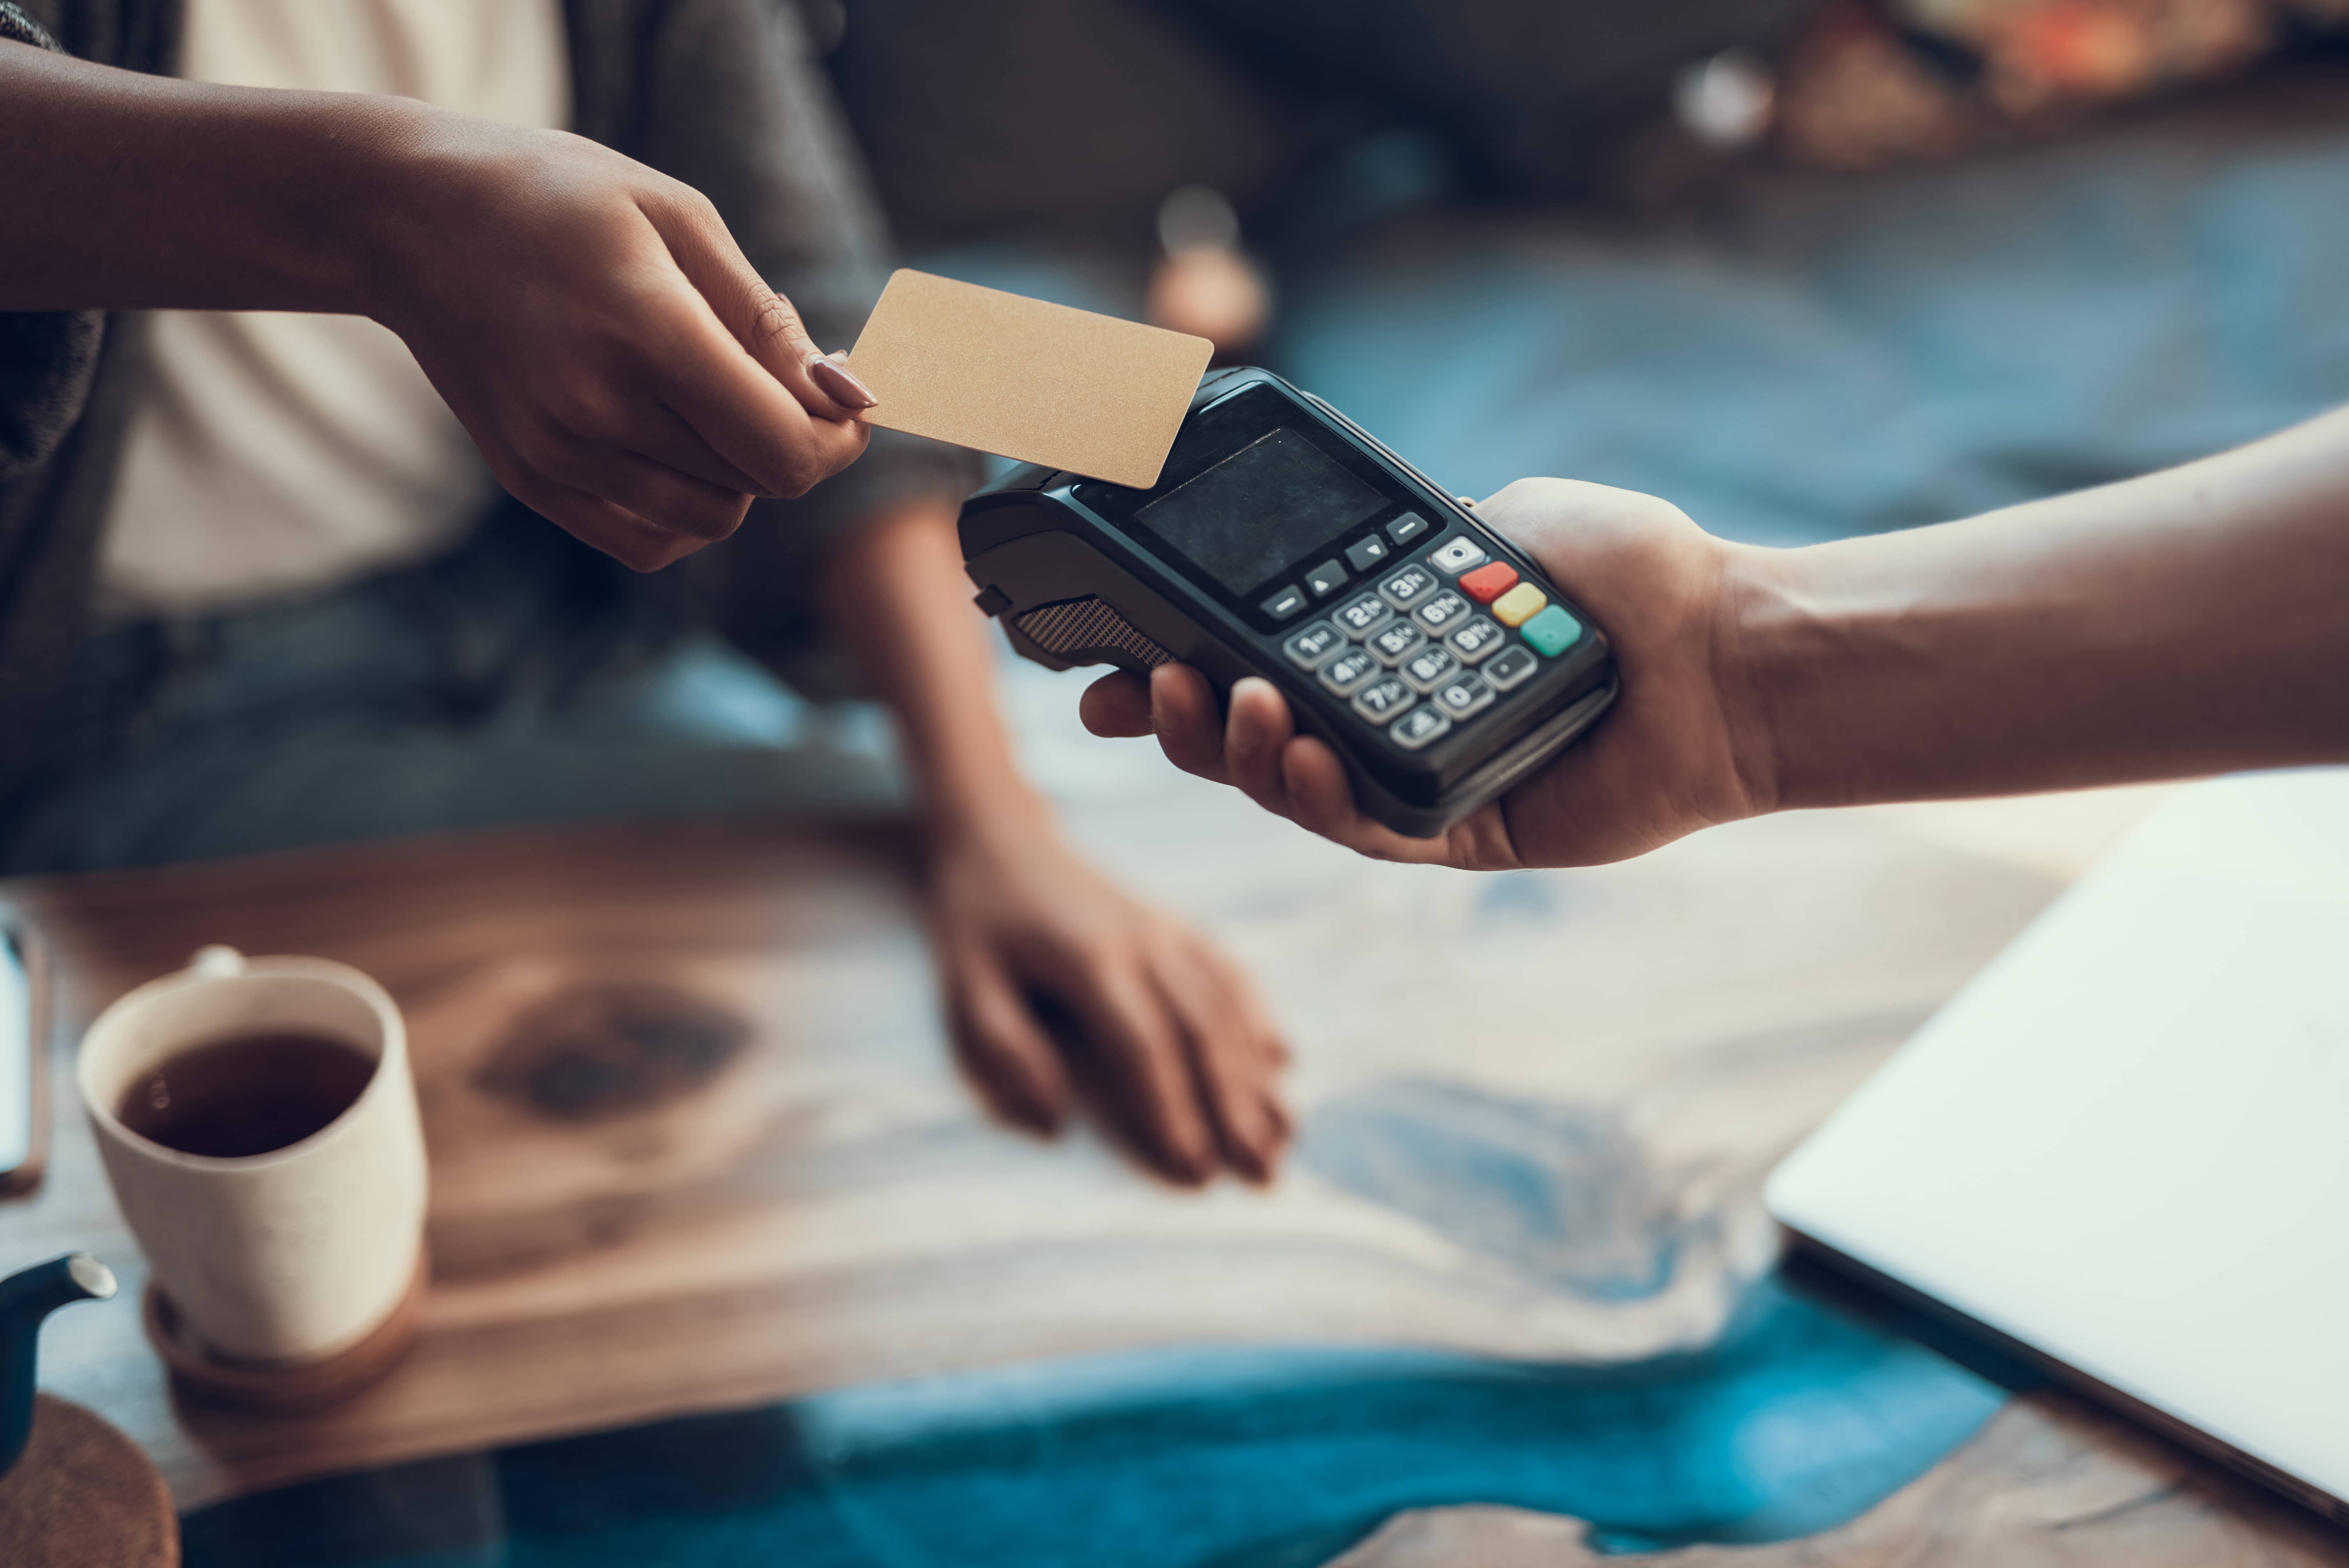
604	1051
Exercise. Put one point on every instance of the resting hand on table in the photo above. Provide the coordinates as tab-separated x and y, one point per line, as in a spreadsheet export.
1056	978
1059	983
1662	764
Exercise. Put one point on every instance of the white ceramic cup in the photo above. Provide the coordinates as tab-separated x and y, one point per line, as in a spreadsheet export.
299	1253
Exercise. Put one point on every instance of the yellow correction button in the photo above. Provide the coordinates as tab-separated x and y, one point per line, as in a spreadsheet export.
1519	604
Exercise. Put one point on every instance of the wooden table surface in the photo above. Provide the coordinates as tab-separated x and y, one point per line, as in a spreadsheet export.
784	1187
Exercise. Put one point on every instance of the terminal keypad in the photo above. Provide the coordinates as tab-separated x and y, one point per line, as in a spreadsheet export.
1442	638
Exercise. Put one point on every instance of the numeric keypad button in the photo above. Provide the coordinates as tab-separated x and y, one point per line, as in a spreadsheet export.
1349	670
1383	699
1477	641
1442	613
1463	694
1311	647
1363	614
1420	726
1395	642
1411	585
1429	667
1511	668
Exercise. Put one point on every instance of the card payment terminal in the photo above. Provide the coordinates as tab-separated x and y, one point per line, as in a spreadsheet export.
1283	541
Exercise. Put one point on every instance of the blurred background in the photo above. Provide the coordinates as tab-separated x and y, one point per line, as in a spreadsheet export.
1806	269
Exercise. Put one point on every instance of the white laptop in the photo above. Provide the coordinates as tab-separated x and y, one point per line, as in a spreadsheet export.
2124	1148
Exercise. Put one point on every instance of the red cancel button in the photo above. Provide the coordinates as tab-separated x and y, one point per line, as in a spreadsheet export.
1487	584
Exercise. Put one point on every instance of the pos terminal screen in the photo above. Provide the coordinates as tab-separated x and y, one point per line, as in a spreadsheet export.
1260	509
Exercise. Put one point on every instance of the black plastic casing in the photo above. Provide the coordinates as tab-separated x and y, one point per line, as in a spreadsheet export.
1040	536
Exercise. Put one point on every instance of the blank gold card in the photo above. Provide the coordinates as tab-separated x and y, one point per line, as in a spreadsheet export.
1023	379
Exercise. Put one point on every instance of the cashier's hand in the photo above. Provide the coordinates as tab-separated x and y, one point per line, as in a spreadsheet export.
592	323
1060	983
1661	763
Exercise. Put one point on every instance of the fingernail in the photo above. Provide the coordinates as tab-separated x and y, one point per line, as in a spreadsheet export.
1190	1167
836	382
1245	1153
1248	735
1159	679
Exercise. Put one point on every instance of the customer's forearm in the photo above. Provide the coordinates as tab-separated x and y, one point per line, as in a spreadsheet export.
902	608
119	189
2188	622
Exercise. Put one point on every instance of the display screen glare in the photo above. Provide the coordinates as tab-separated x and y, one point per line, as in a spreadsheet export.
1260	509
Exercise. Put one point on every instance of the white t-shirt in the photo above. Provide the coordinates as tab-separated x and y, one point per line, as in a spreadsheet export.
273	454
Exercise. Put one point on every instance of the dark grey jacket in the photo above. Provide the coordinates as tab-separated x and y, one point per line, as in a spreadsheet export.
721	94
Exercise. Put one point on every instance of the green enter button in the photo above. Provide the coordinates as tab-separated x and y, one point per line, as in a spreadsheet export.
1552	632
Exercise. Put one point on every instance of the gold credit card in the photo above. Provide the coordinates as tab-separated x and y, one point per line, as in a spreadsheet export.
1023	379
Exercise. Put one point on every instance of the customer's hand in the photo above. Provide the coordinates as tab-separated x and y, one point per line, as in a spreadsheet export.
592	323
1060	983
1675	753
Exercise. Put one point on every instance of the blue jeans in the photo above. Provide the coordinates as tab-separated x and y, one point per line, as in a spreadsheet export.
512	680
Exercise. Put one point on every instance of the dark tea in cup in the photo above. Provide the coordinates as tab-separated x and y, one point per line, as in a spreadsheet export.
248	1094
